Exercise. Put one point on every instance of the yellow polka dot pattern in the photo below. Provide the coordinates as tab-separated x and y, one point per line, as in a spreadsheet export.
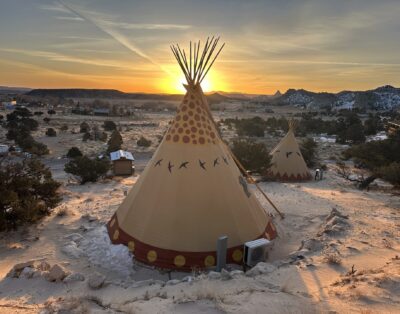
179	260
131	246
209	261
237	255
152	256
192	124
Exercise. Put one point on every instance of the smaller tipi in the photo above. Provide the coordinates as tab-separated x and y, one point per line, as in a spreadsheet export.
287	162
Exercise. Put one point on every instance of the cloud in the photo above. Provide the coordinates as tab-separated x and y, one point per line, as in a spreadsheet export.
102	25
53	56
69	18
123	25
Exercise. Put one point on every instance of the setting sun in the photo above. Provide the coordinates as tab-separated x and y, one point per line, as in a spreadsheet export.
212	82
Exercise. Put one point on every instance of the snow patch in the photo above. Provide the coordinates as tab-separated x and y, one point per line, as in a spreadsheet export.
96	245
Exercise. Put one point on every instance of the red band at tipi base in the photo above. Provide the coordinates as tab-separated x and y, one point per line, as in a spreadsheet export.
170	259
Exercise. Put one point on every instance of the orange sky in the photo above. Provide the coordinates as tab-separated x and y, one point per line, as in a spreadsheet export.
270	45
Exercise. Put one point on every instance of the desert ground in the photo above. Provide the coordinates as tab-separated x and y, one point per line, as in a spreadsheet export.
338	249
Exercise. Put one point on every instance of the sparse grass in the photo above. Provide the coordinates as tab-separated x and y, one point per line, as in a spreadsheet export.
63	211
332	258
71	305
387	244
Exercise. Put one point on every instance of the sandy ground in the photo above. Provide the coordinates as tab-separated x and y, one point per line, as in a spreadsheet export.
301	280
345	260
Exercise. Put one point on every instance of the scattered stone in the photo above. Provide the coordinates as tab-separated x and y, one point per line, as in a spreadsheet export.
187	279
17	269
336	213
311	245
76	237
225	275
172	282
96	281
214	275
261	268
71	249
236	273
43	266
143	283
74	277
27	272
56	273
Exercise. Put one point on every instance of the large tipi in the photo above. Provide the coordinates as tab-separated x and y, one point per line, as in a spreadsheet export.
191	191
287	163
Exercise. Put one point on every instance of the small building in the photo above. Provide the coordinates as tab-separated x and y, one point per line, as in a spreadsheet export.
4	149
101	112
122	163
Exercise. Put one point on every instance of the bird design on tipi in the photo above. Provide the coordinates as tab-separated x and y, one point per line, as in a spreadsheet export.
287	163
191	192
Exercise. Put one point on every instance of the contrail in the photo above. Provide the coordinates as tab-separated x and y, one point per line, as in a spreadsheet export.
115	35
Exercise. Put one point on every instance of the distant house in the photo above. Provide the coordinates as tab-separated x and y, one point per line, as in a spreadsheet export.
10	105
4	149
122	163
101	112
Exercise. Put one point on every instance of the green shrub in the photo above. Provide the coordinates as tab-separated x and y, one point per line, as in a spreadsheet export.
253	156
84	127
115	142
143	142
74	152
86	169
27	193
308	150
51	132
109	125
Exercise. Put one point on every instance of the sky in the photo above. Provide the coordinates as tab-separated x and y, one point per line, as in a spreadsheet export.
318	45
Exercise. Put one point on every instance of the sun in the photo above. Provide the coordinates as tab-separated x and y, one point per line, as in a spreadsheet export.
206	85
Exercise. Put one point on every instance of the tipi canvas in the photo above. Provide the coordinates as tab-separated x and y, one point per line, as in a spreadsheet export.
287	162
191	192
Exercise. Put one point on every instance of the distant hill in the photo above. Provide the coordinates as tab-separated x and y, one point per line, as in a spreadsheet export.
13	90
213	98
98	94
382	98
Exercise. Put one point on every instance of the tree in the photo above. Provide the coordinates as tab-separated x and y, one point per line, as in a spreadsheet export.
64	128
115	142
143	142
74	152
308	150
27	193
253	156
86	137
350	129
86	169
51	111
51	132
109	125
84	127
381	158
38	113
46	119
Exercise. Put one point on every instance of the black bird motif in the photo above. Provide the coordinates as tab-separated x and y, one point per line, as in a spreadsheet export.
288	154
298	153
216	162
225	160
158	163
170	166
183	165
202	163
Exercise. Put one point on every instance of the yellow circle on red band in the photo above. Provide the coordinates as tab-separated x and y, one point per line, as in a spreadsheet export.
209	261
179	260
116	235
237	255
152	256
131	246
